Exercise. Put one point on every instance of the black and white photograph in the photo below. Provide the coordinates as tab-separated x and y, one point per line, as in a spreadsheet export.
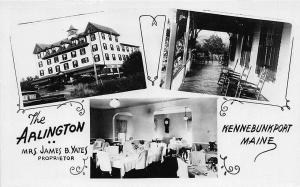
227	55
78	56
153	138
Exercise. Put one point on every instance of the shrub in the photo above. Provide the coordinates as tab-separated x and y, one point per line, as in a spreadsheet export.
82	90
132	82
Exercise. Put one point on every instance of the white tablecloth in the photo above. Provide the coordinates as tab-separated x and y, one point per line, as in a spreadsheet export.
124	162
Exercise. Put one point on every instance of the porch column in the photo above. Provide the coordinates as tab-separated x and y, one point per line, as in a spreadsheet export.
238	50
172	42
186	41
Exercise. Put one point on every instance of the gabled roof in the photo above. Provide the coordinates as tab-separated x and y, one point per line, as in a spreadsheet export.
100	28
92	27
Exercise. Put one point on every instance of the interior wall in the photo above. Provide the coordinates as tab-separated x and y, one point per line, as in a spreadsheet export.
101	123
178	127
141	124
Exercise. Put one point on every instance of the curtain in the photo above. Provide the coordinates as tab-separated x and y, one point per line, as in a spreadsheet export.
121	127
268	50
246	51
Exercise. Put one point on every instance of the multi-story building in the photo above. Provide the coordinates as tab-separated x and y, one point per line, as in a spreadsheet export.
97	51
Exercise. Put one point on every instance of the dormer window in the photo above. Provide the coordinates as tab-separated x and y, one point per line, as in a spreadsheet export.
74	42
82	40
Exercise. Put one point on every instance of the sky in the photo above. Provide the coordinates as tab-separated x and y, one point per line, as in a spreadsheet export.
205	34
24	37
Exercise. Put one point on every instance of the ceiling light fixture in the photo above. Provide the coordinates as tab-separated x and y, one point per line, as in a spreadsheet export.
114	103
185	117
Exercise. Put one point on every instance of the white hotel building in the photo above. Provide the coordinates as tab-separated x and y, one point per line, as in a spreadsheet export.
96	50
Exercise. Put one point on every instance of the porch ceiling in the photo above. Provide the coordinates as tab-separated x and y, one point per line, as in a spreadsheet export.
223	23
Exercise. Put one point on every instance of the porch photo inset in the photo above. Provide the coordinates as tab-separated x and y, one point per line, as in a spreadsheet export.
227	56
153	138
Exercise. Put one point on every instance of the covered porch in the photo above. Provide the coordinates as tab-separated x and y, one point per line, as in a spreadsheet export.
257	47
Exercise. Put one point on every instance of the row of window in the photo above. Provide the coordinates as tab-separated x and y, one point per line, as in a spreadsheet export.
93	37
74	41
66	66
117	46
83	61
114	57
64	57
81	40
96	58
83	52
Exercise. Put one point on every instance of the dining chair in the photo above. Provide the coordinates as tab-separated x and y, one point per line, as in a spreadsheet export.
182	171
197	158
160	154
142	160
103	161
250	90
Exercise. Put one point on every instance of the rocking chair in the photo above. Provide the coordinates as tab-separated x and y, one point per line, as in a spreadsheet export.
235	80
249	90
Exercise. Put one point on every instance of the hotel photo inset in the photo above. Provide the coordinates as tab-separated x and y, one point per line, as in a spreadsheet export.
87	61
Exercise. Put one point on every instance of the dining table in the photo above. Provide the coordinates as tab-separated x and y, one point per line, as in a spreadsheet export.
123	161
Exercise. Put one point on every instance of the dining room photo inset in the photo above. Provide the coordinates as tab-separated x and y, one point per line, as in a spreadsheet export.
153	138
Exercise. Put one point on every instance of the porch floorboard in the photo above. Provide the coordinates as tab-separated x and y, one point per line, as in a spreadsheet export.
203	78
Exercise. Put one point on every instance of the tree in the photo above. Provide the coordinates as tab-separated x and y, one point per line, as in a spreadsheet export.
133	64
26	83
214	44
